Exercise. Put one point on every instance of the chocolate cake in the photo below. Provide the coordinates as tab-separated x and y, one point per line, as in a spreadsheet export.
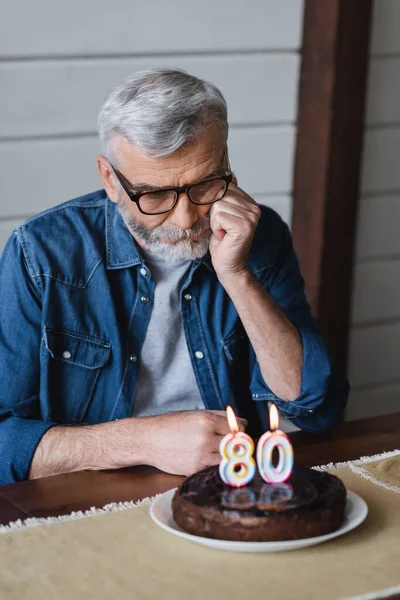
308	504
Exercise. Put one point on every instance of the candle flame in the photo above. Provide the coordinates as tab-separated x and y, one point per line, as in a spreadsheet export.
273	417
230	415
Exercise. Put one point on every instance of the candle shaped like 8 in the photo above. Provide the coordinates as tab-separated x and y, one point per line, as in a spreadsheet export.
266	444
237	467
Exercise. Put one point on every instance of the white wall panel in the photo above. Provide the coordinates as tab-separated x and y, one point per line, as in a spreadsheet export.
378	227
280	204
375	338
386	27
262	158
381	166
374	355
55	170
45	27
64	97
372	402
376	291
36	175
6	228
383	98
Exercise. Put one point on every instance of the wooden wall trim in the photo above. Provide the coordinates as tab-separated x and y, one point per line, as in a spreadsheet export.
335	50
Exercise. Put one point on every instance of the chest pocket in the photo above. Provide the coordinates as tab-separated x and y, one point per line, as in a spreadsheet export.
71	365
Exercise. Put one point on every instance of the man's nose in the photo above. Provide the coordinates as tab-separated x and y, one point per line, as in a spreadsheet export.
185	213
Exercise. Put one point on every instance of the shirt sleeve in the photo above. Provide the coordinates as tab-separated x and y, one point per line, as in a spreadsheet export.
324	388
21	423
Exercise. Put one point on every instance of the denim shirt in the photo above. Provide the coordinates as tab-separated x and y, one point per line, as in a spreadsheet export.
75	302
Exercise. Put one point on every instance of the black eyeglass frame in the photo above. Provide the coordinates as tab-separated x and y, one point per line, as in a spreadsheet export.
178	191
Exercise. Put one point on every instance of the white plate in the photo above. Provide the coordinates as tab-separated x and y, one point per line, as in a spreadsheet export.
161	512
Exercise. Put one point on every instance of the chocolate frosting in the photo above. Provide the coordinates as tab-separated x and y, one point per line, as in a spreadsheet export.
304	488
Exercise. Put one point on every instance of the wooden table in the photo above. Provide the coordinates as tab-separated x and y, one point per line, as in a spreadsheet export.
63	494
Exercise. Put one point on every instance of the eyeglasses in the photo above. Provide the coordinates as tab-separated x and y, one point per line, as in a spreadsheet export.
157	202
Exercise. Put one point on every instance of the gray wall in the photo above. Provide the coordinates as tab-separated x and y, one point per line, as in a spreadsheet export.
57	60
375	336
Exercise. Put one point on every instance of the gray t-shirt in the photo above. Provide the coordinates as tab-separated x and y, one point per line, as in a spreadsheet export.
166	378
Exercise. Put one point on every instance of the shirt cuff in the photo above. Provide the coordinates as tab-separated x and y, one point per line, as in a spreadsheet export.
18	441
314	379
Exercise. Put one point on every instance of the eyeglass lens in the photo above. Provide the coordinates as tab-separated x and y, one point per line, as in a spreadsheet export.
200	193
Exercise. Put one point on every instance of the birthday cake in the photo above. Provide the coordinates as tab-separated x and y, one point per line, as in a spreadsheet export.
310	503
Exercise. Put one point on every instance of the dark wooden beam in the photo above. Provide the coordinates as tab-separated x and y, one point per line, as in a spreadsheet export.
332	92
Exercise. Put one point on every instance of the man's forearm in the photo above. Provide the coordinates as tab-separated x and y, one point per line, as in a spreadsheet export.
160	441
275	340
112	445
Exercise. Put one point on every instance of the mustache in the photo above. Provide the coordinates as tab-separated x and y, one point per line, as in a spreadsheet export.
176	234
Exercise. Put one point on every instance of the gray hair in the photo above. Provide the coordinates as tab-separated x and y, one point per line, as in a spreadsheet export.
160	110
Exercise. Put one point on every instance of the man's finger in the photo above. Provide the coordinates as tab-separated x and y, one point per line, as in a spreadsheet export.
235	205
221	425
222	413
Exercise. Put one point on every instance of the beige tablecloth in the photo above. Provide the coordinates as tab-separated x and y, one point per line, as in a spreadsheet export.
123	555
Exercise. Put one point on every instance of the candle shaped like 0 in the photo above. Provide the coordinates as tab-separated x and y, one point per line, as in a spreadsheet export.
237	467
266	444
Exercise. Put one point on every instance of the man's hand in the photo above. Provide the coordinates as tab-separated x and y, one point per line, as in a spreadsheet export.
233	222
184	442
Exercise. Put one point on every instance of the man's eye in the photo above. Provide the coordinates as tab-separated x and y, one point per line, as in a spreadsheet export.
202	187
157	195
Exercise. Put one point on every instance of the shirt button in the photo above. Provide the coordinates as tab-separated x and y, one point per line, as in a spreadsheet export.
67	354
133	358
199	354
144	299
188	296
143	272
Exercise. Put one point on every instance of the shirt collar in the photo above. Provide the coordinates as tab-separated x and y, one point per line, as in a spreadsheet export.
121	248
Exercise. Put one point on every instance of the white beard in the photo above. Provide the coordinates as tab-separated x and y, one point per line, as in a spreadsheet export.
183	246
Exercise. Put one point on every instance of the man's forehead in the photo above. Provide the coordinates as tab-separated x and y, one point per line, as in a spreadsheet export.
193	161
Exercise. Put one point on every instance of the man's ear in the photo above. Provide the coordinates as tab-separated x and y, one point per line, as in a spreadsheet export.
234	180
107	177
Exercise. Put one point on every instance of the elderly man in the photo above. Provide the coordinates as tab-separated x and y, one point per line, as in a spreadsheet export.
131	317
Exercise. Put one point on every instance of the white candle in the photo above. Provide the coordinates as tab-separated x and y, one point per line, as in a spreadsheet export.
266	444
237	467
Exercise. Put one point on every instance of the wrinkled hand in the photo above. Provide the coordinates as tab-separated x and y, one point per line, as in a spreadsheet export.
233	222
184	442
